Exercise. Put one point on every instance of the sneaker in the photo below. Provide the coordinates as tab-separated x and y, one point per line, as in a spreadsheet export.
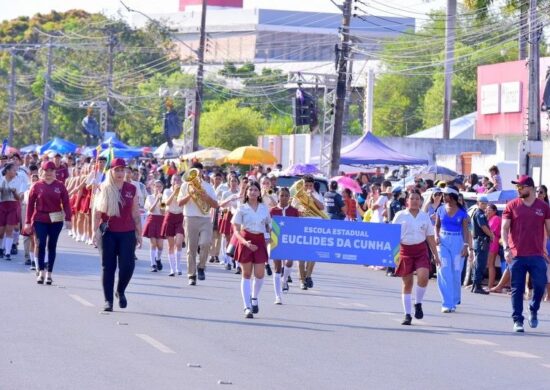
477	289
212	259
200	274
180	273
14	249
268	270
407	320
122	302
172	274
192	281
28	261
418	313
289	280
445	310
248	313
238	271
533	320
278	301
216	259
7	257
154	268
285	286
255	306
108	306
303	286
518	327
228	267
33	266
159	264
309	282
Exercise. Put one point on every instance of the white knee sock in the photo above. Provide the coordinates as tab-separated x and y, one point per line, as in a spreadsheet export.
172	261
16	236
286	273
152	255
407	303
277	284
420	291
245	292
8	241
178	260
257	286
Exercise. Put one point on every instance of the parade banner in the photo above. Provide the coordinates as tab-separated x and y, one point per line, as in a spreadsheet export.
334	241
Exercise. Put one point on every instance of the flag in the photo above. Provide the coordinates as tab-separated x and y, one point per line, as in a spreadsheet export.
97	153
110	157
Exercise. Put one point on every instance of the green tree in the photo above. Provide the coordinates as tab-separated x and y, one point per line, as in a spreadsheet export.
228	126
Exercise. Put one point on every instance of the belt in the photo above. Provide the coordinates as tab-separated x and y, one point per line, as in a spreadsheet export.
448	233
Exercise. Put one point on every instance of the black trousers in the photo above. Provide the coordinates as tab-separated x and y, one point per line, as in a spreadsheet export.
117	249
47	234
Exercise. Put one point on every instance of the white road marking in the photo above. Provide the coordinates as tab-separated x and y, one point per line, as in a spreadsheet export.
154	343
519	354
81	300
477	342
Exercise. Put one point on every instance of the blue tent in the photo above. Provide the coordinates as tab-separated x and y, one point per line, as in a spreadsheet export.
114	142
30	148
123	152
369	150
58	145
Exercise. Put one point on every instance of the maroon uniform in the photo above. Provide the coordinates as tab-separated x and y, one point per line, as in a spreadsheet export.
62	173
125	222
45	199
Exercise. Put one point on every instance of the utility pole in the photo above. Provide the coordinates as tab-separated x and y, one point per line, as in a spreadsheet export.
200	77
111	43
523	30
11	105
341	89
534	71
369	102
348	96
45	134
450	29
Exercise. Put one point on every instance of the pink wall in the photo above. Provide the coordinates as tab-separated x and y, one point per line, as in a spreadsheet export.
510	123
215	3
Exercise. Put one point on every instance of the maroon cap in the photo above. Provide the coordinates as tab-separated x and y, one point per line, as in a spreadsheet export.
118	162
46	165
524	180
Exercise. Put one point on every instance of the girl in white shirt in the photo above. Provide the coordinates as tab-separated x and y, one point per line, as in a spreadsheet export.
153	225
172	226
252	228
416	231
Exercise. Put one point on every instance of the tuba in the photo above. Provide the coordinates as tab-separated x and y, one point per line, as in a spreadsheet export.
192	178
309	208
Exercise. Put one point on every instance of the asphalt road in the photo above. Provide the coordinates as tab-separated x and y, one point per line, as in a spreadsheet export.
345	333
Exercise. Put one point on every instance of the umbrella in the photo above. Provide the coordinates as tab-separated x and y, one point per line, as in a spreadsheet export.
348	182
249	155
302	169
502	196
436	172
208	154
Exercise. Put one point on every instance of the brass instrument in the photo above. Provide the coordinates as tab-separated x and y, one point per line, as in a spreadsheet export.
193	178
309	208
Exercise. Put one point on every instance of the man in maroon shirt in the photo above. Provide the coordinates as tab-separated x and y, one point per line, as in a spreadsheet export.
523	223
61	170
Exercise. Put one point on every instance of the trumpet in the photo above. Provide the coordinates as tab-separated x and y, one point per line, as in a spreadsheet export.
192	177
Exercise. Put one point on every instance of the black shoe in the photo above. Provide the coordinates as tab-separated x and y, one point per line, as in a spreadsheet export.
228	267
180	273
309	282
390	271
108	306
418	313
33	266
212	259
303	286
7	257
49	281
154	268
192	281
407	320
518	327
28	262
216	259
285	286
238	271
255	307
171	274
533	320
14	250
479	290
1	253
268	270
159	265
40	280
122	302
289	280
248	313
200	274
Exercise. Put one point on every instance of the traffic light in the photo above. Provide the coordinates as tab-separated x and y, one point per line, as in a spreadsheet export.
305	110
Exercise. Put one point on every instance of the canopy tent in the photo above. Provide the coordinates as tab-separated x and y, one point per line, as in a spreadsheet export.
370	150
114	142
58	145
30	148
123	152
164	151
461	128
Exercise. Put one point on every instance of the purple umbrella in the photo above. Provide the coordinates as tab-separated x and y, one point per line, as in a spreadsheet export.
302	169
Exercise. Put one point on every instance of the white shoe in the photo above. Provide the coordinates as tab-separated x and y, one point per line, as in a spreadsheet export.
278	301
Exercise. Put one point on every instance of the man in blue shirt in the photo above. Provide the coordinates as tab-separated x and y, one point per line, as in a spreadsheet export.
482	238
334	203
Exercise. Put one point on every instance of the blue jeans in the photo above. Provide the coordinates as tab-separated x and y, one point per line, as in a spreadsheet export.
536	266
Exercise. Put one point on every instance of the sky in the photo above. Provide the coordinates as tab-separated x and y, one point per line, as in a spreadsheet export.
10	9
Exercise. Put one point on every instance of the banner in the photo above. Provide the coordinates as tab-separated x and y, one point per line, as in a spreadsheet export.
334	241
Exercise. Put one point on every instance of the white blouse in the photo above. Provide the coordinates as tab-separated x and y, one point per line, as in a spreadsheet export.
173	207
253	221
149	201
414	230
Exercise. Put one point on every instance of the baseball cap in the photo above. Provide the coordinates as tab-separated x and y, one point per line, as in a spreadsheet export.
449	190
524	180
47	165
396	190
118	162
483	199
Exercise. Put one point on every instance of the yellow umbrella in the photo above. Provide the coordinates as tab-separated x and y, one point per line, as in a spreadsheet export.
209	154
249	155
